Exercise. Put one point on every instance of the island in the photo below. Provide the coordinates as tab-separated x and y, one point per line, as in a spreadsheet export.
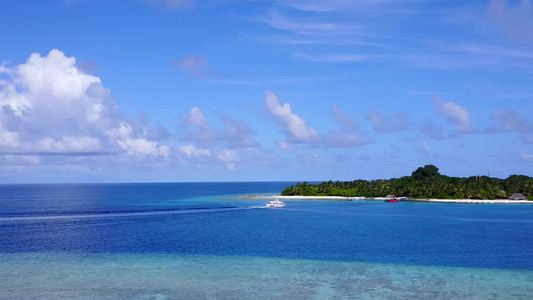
424	183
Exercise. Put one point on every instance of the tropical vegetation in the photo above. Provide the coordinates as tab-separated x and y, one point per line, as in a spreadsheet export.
425	182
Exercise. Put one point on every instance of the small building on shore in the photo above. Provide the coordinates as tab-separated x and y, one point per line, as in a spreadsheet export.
390	196
517	196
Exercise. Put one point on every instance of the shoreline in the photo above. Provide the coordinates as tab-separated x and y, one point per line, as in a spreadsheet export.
496	201
472	201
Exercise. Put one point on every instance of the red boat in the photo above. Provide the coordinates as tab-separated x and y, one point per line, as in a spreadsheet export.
391	198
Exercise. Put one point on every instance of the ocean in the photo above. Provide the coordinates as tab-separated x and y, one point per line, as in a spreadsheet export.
203	241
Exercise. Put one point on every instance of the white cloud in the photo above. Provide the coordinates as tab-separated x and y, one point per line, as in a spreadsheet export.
190	150
52	107
456	114
297	131
197	117
54	75
55	118
230	157
135	146
201	133
295	128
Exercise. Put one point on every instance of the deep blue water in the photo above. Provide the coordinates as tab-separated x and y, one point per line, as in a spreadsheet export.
210	219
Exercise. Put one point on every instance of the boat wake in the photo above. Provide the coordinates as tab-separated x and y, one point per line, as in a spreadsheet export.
191	210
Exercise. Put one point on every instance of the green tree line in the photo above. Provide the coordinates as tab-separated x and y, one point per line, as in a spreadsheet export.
425	182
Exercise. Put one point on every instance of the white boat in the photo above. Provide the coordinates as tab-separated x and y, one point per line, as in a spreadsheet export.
275	204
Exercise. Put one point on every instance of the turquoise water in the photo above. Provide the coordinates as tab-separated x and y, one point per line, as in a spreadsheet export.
170	276
200	241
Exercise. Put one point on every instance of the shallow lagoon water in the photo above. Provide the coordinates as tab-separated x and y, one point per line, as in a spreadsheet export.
192	241
171	276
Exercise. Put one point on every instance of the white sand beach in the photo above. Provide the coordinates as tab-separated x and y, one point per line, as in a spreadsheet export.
495	201
486	201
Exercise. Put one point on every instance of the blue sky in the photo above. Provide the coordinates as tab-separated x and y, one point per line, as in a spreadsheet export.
236	90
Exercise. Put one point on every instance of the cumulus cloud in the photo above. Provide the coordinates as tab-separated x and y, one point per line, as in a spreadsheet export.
230	157
54	75
56	118
455	114
196	117
297	131
195	66
127	141
190	150
194	128
294	127
515	21
381	124
49	106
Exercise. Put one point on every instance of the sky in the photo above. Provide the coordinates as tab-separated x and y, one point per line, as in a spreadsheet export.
264	90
